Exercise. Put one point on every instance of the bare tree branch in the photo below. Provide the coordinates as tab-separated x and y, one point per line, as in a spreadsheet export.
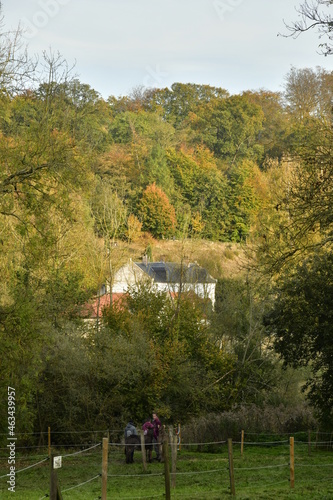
16	67
313	15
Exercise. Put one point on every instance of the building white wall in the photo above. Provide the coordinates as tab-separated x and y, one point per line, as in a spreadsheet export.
127	276
130	274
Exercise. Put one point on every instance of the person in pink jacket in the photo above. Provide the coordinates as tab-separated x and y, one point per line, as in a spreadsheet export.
146	426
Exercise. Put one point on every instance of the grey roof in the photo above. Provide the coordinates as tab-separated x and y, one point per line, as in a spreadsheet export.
171	272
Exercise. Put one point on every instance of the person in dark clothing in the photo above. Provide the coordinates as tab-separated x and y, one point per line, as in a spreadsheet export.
157	425
132	440
130	429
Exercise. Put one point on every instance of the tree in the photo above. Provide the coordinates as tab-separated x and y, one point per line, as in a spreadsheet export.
156	213
296	250
40	161
229	127
188	365
315	15
181	99
275	127
200	189
309	93
44	182
16	68
243	199
299	220
22	338
301	322
237	327
95	380
110	216
134	227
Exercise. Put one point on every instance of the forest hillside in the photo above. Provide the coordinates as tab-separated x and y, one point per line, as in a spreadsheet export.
242	184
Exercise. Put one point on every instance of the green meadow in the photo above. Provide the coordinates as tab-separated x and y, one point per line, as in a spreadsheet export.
262	472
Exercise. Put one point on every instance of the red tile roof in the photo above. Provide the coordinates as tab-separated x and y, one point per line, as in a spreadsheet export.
90	309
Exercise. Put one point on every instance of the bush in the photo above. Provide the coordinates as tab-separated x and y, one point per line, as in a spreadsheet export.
250	418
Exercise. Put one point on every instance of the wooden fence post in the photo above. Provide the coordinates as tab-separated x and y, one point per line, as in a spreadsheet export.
55	493
49	440
143	451
179	432
166	468
309	442
105	453
242	443
231	468
292	463
173	441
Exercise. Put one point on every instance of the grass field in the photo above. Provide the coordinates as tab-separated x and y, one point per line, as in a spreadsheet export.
262	473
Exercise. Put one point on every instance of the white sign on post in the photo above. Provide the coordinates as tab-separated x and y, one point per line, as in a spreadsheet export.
57	462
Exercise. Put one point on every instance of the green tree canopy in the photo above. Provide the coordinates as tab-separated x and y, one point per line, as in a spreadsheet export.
301	322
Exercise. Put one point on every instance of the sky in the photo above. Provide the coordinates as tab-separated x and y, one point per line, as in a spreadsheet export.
118	45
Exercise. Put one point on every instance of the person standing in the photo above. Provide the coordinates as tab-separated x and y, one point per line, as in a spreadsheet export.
146	426
131	441
130	429
157	426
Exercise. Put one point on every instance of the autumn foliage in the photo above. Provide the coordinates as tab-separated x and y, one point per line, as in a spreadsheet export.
158	216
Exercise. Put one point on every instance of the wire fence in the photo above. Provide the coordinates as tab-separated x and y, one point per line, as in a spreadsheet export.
83	468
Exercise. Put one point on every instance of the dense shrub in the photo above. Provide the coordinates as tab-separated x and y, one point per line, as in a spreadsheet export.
253	420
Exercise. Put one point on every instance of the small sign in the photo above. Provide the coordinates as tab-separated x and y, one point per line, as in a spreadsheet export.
57	462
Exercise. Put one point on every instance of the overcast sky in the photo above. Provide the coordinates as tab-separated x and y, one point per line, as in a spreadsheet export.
122	44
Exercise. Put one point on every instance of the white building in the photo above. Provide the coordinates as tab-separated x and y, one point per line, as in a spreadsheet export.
167	276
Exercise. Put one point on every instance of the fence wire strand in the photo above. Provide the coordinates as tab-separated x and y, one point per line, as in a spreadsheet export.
261	443
82	451
202	444
193	473
136	475
26	468
261	467
81	484
142	498
313	465
117	445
